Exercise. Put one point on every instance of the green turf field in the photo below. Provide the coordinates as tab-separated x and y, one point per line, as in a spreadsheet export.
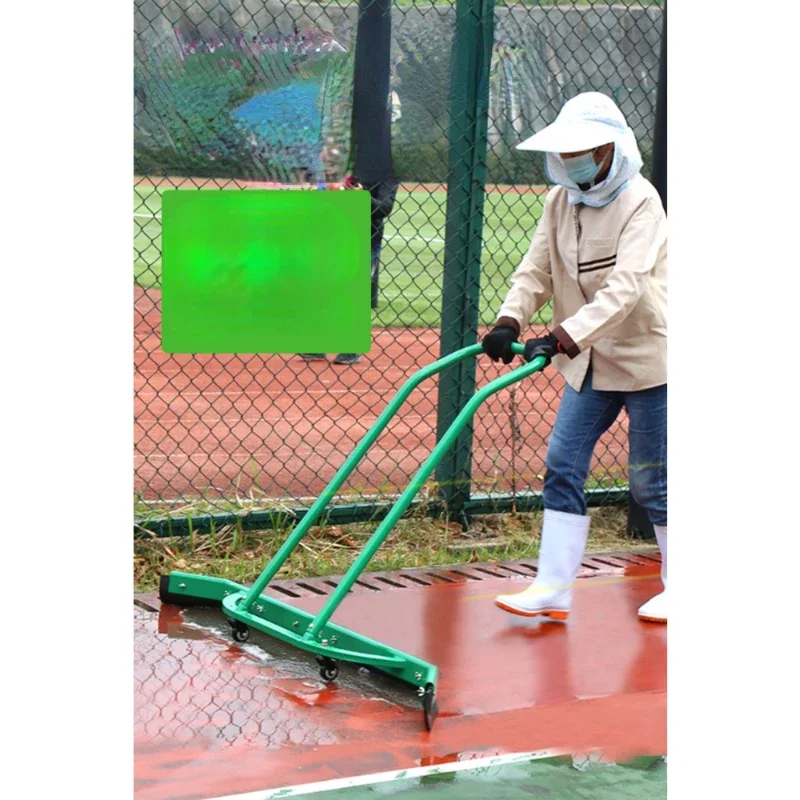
512	778
412	256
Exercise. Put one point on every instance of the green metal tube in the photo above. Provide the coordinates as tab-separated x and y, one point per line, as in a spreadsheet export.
351	463
399	508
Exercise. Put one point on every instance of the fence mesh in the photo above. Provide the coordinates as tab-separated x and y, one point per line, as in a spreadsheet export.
258	93
185	687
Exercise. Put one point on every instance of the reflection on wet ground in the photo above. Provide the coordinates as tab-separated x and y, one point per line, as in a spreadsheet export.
213	718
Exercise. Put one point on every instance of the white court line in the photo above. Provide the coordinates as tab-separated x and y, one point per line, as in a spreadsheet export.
438	240
415	238
277	392
303	452
207	418
222	393
478	764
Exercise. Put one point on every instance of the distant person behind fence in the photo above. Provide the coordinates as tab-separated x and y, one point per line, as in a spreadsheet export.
383	195
600	253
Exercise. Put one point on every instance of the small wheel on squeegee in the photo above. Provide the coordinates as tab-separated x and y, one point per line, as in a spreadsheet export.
430	708
239	631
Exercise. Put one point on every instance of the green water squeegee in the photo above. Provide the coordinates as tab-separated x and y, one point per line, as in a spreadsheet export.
248	608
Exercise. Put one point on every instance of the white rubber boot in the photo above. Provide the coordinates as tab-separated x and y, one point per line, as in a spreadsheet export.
655	609
563	545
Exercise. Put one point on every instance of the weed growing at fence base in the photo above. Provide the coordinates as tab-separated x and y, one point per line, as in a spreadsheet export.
241	555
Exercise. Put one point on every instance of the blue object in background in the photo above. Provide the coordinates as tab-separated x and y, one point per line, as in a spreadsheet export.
287	124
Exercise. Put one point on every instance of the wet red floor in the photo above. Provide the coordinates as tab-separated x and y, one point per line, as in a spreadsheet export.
214	718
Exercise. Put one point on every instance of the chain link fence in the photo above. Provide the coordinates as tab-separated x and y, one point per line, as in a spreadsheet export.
187	685
258	93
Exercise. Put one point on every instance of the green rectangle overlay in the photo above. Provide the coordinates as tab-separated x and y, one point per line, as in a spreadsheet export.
266	271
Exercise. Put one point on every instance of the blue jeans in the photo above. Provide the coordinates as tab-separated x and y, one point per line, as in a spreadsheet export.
583	417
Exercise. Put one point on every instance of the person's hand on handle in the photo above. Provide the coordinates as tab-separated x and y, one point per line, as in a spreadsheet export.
545	346
497	343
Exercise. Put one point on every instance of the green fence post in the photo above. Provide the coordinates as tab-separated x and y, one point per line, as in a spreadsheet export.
469	103
639	525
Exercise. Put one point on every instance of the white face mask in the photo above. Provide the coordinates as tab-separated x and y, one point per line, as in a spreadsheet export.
582	169
625	164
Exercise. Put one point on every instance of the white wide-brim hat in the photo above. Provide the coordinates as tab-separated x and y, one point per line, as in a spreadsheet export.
587	121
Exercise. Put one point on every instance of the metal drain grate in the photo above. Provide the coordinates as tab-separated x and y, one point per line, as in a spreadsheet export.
597	564
593	565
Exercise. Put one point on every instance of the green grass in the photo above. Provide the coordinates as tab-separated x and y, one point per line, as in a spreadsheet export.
412	257
240	555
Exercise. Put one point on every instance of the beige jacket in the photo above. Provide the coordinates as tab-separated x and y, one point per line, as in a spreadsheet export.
606	270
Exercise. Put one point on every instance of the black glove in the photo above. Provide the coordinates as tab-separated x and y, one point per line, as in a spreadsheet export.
546	346
497	343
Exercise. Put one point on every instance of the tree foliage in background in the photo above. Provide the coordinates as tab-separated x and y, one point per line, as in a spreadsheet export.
189	116
235	115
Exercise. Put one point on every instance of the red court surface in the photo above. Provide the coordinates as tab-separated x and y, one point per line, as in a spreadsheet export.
226	425
213	718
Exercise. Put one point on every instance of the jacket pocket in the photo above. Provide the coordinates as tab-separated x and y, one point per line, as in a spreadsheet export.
597	260
597	255
601	243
